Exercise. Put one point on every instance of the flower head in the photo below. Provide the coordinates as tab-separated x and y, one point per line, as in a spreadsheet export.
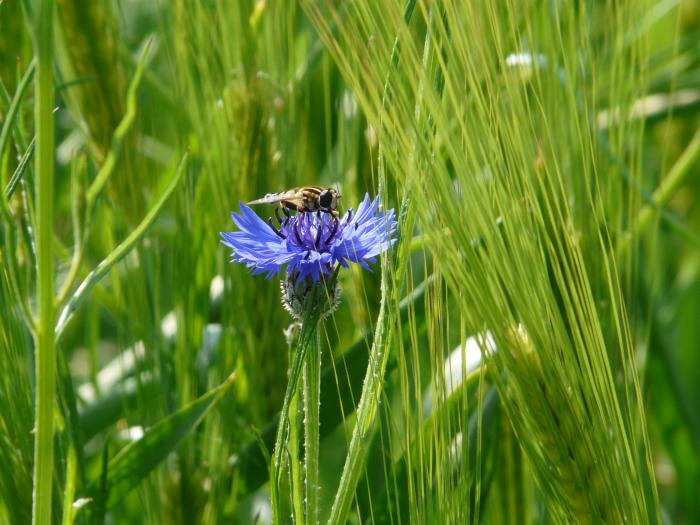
310	245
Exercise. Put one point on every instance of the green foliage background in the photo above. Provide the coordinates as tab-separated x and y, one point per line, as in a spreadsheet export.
543	156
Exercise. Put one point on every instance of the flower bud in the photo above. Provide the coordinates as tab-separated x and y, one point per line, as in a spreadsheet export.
296	290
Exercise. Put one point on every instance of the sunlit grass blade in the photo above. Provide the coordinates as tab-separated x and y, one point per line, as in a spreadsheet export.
88	48
368	404
135	461
44	334
120	251
510	145
19	170
120	132
548	260
11	112
16	409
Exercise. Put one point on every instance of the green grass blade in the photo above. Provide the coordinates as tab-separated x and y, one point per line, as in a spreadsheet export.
19	170
120	251
111	406
135	461
120	132
367	408
69	494
44	337
11	113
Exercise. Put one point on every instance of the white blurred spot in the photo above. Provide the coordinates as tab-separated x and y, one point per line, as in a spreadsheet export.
216	288
349	103
526	60
456	448
465	359
70	145
262	511
650	105
371	136
132	433
169	325
461	362
80	503
113	372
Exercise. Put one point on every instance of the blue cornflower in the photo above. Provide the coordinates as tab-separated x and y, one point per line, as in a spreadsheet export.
311	245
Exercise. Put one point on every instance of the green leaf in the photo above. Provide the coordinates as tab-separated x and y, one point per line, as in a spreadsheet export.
122	129
135	461
19	171
14	106
119	252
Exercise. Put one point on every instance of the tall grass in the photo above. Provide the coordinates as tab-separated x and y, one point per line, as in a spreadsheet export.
526	353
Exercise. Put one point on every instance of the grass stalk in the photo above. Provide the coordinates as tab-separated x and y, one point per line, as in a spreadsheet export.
367	409
676	177
312	401
44	337
120	251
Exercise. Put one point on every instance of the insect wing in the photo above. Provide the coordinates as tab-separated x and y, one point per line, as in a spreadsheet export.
274	198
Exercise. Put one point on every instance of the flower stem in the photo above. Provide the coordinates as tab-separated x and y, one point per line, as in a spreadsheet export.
309	327
44	335
312	400
294	461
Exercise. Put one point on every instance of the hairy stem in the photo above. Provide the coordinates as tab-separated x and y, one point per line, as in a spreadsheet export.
309	326
294	461
312	400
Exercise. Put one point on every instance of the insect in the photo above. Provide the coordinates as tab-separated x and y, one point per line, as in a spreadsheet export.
304	199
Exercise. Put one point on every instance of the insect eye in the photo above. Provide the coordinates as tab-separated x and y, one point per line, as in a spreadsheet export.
325	199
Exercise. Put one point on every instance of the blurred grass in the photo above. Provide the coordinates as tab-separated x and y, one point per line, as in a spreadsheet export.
523	214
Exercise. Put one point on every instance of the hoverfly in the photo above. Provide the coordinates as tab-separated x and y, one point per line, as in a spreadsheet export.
304	199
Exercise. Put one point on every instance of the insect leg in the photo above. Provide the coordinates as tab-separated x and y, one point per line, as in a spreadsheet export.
287	214
277	216
272	225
